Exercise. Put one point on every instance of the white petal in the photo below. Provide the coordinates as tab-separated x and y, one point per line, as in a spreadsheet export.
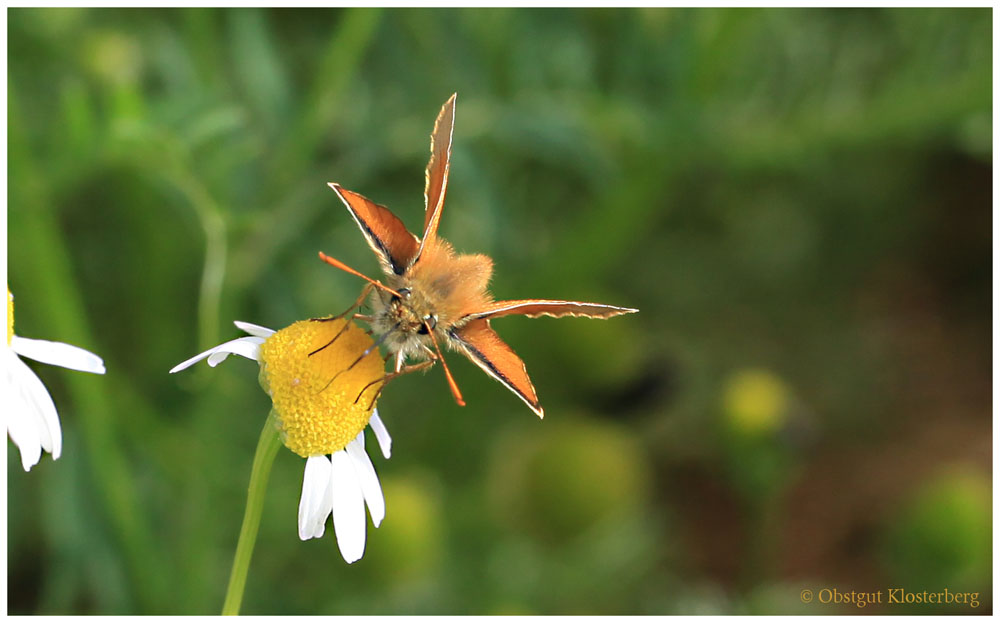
367	478
348	507
57	354
21	421
40	406
23	432
32	422
314	505
328	493
248	347
381	434
253	329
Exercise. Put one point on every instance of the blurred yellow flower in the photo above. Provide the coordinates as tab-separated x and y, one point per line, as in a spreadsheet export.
755	401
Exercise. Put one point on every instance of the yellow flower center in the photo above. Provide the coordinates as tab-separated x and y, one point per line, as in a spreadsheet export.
10	316
322	384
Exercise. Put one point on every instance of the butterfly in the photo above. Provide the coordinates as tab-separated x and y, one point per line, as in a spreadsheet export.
433	294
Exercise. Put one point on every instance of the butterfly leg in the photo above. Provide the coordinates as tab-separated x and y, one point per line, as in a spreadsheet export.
364	354
333	339
365	291
388	377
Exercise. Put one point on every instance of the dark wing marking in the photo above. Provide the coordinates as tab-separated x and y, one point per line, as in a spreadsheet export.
485	348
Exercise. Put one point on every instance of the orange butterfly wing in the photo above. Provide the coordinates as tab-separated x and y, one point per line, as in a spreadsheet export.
533	308
386	235
436	176
485	348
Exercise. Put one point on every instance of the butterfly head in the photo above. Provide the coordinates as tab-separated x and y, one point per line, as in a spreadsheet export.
412	312
407	316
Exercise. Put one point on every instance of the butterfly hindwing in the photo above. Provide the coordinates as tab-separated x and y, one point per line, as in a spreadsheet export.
485	348
386	235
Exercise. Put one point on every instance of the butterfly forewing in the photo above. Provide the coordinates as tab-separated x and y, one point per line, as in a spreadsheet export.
485	348
533	308
436	176
386	234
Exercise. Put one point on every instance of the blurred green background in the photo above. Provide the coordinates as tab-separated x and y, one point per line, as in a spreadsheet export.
797	200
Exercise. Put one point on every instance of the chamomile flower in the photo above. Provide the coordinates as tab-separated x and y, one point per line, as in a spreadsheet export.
323	376
32	421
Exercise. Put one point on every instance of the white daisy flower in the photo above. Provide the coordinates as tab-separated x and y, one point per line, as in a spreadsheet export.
32	421
323	376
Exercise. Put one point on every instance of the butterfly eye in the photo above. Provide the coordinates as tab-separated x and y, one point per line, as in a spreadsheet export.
429	322
404	293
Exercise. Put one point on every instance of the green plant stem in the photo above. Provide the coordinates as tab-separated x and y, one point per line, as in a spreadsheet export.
210	215
267	449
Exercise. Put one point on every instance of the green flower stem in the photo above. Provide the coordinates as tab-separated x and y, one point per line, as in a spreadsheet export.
267	449
210	215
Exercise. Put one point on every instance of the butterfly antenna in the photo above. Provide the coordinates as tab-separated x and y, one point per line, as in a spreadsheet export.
447	373
347	269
